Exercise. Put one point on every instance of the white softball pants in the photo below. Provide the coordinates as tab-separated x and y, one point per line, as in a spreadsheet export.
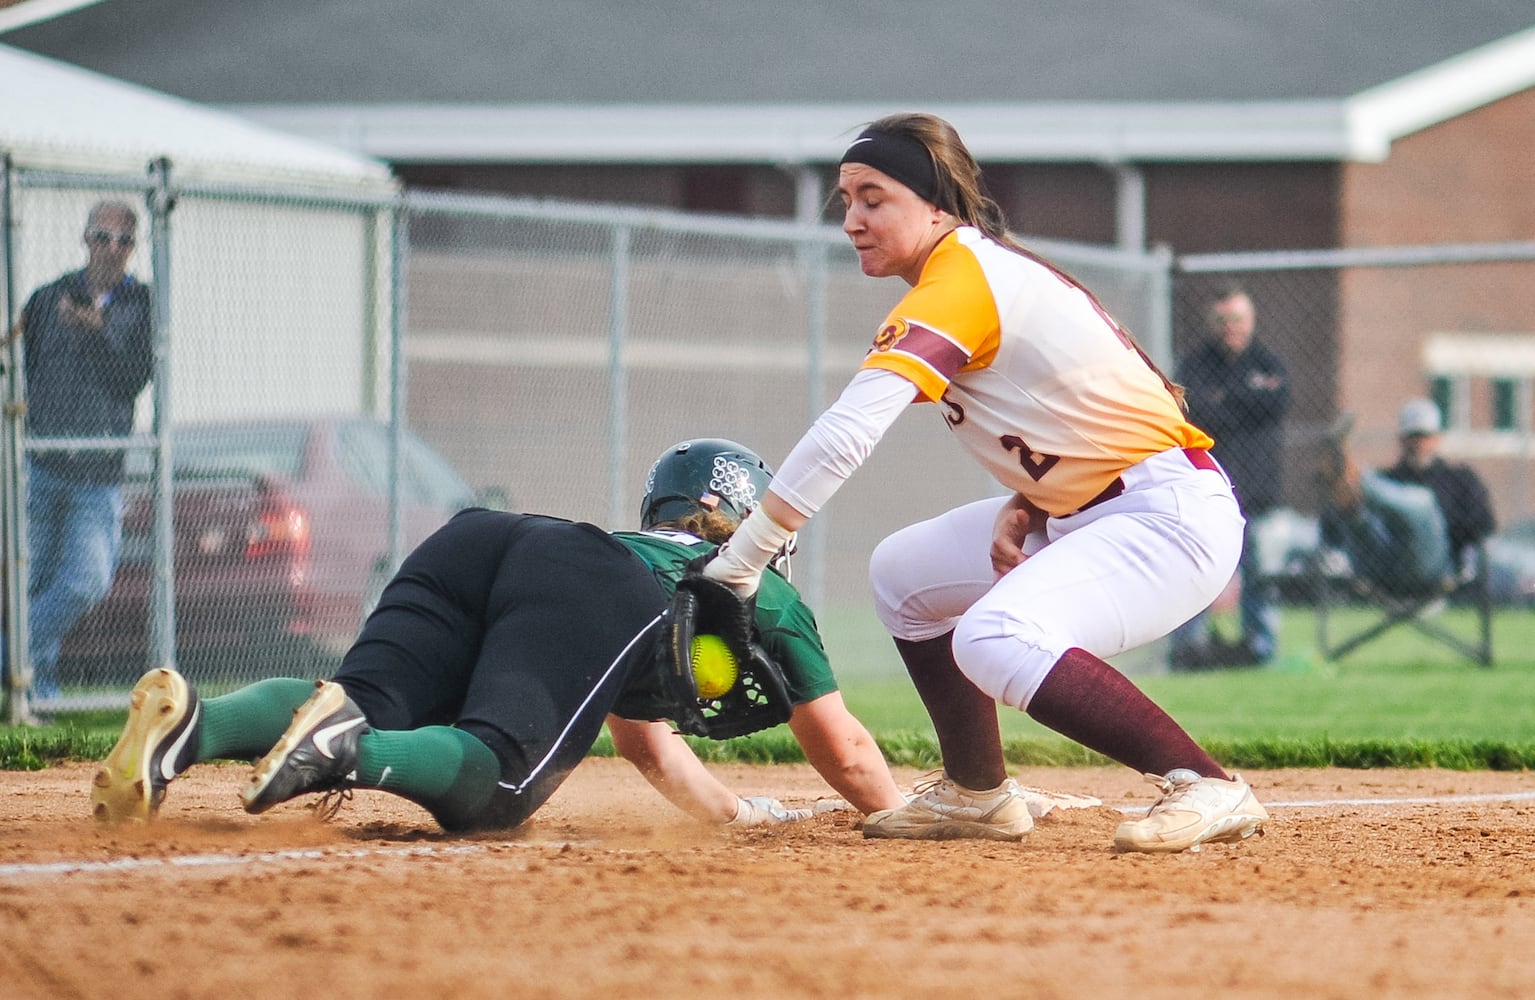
1106	579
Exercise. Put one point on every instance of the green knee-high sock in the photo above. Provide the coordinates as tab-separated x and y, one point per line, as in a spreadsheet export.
446	770
244	724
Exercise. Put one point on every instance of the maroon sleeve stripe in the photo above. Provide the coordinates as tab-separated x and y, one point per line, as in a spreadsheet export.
934	349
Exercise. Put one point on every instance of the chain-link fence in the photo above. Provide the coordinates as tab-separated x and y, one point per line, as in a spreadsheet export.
269	484
552	351
199	387
1364	331
555	352
1382	501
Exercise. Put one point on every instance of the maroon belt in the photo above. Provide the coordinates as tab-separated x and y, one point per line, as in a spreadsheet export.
1110	491
1199	458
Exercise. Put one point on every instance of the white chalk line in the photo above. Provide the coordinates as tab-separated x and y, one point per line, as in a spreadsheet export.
209	861
45	869
1422	800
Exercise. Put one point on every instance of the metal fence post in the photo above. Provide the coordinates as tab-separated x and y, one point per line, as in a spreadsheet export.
12	480
812	254
1159	331
398	261
162	608
618	376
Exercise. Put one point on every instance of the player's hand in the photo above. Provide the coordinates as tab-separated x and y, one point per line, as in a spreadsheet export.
761	810
728	568
754	544
1015	522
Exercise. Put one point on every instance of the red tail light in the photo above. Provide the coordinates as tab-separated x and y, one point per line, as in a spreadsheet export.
279	529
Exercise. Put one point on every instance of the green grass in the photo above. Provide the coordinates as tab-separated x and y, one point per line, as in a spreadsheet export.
1401	701
28	748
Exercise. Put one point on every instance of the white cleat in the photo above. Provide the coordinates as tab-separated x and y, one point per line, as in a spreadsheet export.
943	810
1193	810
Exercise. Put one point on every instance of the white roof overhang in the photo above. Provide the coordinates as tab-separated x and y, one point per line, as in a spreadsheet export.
793	134
1357	127
60	117
1379	116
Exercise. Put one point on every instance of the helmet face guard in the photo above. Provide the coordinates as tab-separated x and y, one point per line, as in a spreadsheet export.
707	474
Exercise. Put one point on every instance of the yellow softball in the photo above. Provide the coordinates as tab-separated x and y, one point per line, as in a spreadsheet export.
714	666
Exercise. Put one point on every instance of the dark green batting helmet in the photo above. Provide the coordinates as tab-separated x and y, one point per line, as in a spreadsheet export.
707	474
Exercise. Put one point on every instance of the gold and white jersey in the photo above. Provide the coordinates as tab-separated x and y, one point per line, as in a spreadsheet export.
1036	380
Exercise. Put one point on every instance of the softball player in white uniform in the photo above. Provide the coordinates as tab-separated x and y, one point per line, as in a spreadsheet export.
1121	526
1045	391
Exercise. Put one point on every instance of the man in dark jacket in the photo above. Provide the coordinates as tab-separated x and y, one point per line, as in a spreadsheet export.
87	354
1238	393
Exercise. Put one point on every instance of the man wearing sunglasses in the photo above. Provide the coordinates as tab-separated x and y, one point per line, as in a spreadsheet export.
86	355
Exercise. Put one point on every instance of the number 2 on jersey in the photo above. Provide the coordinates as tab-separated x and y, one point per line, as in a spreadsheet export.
1033	462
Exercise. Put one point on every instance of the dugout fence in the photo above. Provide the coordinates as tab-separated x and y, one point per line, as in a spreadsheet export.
462	349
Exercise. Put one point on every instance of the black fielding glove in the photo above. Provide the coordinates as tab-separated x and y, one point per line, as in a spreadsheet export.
760	697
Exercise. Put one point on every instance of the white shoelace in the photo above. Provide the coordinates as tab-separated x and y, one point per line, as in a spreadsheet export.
1173	792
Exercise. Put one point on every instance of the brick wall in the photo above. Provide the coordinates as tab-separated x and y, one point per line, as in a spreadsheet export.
1467	180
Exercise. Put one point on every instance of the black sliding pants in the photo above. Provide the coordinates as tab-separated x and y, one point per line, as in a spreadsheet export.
520	629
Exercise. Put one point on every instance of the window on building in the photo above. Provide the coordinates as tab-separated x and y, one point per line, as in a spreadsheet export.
1505	404
1442	389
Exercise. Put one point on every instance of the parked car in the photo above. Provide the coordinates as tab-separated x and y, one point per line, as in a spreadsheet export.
281	546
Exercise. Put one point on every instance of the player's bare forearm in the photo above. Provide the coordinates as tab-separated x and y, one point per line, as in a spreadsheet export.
783	512
670	765
842	751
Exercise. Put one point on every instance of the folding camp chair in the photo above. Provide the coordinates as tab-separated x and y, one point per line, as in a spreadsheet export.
1467	588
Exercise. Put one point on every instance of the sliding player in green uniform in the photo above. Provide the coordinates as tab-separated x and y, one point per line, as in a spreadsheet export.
490	665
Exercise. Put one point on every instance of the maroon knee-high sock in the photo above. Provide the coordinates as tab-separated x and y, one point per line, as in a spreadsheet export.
1087	700
964	718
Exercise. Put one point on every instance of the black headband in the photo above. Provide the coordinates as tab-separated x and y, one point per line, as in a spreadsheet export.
902	158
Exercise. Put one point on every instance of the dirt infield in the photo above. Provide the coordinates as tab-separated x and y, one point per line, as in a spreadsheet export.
1367	884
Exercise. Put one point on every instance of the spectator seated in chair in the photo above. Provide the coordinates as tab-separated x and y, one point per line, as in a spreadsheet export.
1408	529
